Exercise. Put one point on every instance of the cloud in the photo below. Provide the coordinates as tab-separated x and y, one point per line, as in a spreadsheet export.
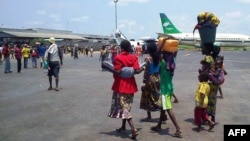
131	23
126	24
247	18
55	17
80	19
235	14
245	1
34	23
41	12
56	26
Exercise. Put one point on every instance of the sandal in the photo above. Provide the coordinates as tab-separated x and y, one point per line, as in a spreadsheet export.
164	122
176	101
198	129
211	126
134	134
177	134
57	89
156	128
50	88
120	130
165	118
204	123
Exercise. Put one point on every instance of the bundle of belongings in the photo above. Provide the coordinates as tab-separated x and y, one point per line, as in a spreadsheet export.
126	72
207	24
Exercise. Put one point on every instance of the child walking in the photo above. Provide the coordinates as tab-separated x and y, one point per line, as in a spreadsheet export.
201	102
167	67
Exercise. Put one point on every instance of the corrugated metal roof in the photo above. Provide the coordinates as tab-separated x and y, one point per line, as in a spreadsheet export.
44	35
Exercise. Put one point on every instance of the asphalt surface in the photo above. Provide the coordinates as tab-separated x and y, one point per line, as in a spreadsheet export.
29	112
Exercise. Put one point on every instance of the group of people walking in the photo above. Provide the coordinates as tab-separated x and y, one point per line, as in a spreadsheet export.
211	76
157	91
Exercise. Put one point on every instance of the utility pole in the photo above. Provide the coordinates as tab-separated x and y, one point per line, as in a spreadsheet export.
115	1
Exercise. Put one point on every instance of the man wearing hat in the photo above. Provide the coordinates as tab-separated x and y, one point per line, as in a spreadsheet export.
54	58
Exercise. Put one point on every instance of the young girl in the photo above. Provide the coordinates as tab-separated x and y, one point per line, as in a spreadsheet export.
151	82
218	76
201	102
124	88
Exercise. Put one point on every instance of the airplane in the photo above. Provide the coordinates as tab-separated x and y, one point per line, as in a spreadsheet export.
117	36
222	39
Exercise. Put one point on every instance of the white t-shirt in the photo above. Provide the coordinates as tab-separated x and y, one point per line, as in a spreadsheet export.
53	49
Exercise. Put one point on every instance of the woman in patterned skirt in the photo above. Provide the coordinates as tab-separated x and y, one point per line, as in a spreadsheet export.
151	82
124	88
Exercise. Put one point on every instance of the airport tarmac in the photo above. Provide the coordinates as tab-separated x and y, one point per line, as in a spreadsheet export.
29	112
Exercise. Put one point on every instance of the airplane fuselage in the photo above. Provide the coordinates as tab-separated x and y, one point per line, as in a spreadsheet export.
224	40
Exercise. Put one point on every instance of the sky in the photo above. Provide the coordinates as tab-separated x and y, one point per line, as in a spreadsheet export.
135	18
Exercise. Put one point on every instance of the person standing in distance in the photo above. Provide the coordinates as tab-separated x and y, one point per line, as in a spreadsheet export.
54	59
6	55
18	56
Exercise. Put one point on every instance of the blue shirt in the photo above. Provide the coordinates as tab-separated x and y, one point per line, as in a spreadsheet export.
41	50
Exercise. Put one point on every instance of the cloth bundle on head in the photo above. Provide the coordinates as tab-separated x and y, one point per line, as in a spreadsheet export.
52	40
207	24
126	72
208	19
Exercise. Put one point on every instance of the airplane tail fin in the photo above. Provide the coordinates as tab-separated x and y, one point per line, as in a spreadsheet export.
167	25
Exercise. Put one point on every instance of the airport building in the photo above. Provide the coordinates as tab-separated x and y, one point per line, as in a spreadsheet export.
63	37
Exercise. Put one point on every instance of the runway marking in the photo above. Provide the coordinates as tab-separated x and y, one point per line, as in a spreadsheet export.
239	70
187	54
248	70
239	61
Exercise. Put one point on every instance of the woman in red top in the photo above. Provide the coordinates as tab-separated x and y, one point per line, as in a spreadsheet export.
6	55
124	88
